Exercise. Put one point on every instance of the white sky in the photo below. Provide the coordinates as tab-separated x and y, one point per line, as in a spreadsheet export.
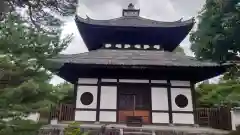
163	10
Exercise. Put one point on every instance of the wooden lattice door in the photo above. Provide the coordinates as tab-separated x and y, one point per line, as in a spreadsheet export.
132	102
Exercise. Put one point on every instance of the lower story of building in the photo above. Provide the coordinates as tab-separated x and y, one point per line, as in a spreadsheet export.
117	100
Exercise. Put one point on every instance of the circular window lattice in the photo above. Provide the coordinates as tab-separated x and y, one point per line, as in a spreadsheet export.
86	98
181	101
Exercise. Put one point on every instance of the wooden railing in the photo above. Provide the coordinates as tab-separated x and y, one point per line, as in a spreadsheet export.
219	118
62	112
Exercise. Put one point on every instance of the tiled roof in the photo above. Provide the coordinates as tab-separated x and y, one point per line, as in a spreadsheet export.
135	21
133	58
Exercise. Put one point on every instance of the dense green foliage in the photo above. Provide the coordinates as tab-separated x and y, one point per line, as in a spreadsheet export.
73	129
24	86
217	35
217	39
224	93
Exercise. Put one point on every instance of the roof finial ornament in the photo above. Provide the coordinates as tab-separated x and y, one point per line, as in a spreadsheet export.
131	6
88	18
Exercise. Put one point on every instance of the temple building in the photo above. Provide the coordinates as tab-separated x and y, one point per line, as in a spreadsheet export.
132	73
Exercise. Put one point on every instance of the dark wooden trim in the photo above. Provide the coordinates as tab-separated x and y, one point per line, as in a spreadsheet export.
147	109
181	87
166	111
92	109
191	112
150	111
117	104
86	109
169	102
193	93
75	87
85	84
98	99
160	111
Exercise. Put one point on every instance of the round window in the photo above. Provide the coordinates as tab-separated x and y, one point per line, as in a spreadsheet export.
86	98
181	101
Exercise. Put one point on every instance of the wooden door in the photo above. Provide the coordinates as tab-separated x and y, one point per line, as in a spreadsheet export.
131	104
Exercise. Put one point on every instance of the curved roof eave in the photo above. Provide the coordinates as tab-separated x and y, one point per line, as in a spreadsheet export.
135	22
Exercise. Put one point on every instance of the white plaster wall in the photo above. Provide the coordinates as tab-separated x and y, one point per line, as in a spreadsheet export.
159	98
108	116
183	91
81	90
158	81
183	118
237	118
235	115
85	116
180	83
133	81
87	80
108	97
160	117
109	80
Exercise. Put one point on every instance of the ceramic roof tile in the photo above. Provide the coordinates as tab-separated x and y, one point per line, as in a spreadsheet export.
132	57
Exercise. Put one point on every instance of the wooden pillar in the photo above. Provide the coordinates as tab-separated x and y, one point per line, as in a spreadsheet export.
169	102
75	87
98	99
193	93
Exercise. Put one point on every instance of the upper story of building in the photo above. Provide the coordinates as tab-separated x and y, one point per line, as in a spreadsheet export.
130	31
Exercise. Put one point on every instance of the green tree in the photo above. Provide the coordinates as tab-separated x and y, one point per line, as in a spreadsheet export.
65	93
25	87
216	37
40	12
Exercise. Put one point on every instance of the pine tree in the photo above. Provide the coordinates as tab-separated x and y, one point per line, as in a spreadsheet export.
24	86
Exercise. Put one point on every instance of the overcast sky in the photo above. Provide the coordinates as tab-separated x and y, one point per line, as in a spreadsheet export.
162	10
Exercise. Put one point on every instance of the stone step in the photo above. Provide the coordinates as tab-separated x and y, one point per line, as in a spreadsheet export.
137	133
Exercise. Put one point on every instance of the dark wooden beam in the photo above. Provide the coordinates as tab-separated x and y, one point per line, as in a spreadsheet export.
170	102
193	93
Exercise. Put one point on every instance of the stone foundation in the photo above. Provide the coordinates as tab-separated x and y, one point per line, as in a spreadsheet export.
108	130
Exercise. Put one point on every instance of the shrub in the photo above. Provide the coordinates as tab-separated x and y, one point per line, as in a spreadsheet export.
74	129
